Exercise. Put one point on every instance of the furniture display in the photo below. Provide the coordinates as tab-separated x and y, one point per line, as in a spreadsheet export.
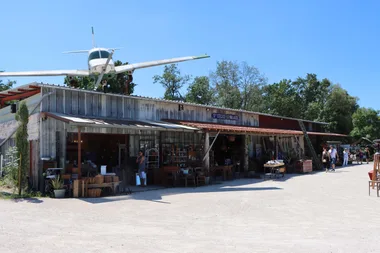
275	170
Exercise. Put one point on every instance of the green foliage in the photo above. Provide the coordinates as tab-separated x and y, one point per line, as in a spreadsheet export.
366	123
172	81
6	86
238	86
11	168
57	183
200	92
116	82
282	99
338	110
22	144
303	98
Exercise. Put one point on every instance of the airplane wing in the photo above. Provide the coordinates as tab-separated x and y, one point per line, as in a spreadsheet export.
131	67
48	73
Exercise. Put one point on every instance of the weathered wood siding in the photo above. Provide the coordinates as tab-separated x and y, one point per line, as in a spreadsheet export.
93	104
31	102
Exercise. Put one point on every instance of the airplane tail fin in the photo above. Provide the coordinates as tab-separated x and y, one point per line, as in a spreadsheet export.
93	37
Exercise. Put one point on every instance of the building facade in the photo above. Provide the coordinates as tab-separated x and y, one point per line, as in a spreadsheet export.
72	126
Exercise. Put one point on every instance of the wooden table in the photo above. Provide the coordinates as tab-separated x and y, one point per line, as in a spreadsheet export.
226	170
111	185
274	169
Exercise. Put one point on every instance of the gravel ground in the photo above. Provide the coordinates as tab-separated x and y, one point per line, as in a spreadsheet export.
319	212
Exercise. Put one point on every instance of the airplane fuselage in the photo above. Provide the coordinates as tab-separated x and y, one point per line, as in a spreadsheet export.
97	59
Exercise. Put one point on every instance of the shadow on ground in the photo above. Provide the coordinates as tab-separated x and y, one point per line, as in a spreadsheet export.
15	198
156	193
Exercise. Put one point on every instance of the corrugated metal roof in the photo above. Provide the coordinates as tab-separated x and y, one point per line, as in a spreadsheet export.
167	101
117	123
239	129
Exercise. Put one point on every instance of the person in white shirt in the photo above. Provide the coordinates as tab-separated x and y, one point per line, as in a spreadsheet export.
333	157
345	157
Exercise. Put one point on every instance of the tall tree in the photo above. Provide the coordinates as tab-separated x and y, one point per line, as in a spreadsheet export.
22	116
172	81
238	86
200	92
251	85
338	110
366	123
116	83
313	94
282	99
225	79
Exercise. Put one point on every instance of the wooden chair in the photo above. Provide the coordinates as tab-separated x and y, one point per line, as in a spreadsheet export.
190	177
200	176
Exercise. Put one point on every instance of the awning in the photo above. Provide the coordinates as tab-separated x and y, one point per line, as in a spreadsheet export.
18	93
239	129
327	134
247	129
86	121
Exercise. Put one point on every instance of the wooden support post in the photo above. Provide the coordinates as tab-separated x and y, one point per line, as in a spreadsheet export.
246	153
206	159
79	153
376	168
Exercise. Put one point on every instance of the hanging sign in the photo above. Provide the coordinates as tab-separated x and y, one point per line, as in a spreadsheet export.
224	116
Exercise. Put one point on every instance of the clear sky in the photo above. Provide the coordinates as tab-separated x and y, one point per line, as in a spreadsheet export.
335	39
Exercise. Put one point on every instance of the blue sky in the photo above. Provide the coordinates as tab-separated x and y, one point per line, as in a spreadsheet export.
338	40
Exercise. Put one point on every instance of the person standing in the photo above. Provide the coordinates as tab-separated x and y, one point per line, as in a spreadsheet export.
333	157
367	154
141	171
345	157
325	159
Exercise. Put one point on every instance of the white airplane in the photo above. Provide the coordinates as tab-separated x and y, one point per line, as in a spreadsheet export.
99	63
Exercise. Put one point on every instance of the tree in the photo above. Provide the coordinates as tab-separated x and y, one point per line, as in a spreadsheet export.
238	86
313	94
22	144
338	110
251	85
282	99
172	81
366	123
225	80
200	92
6	86
116	83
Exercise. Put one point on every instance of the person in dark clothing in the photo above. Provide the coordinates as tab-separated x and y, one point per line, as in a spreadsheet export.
325	159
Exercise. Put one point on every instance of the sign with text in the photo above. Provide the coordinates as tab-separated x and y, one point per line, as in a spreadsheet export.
224	116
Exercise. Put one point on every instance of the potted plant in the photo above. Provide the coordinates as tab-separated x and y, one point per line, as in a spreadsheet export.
59	190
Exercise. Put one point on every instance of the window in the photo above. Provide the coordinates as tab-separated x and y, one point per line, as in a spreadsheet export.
104	54
98	55
94	55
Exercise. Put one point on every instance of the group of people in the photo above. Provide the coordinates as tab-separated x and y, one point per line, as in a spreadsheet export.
362	155
330	157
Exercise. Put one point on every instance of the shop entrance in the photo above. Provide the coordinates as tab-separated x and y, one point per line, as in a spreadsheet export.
228	150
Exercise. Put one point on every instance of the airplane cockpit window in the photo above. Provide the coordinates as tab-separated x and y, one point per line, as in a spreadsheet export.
104	54
98	54
94	55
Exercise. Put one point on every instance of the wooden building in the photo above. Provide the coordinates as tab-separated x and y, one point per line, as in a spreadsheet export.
72	126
